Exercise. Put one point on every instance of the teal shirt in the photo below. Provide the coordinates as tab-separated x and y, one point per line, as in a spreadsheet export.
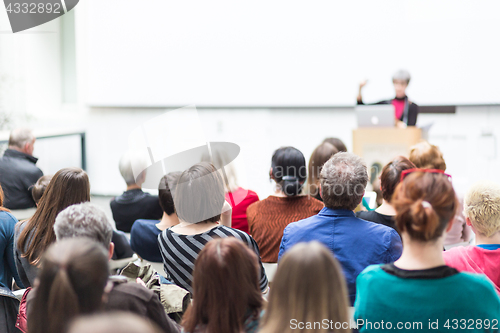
461	302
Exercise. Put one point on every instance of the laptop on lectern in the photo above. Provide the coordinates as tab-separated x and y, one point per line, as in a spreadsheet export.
380	115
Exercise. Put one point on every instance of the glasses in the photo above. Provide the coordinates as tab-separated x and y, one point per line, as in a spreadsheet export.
408	171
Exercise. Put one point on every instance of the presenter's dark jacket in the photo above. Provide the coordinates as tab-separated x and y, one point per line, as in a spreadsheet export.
18	172
409	116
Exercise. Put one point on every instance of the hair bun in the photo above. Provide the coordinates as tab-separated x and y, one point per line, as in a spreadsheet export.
291	186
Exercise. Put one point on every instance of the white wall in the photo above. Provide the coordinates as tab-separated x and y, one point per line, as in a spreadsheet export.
32	63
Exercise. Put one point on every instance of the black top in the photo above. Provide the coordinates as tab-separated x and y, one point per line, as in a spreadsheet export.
18	172
431	273
133	205
373	216
411	110
122	246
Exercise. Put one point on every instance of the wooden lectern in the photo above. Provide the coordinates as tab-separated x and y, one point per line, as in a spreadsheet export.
378	146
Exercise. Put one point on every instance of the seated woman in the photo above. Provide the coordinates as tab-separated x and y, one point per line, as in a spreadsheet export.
309	286
238	197
419	288
144	233
482	212
32	237
122	247
337	143
199	201
72	279
268	218
320	155
427	156
389	179
7	262
230	262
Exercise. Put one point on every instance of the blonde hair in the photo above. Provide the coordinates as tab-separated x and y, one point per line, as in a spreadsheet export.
309	286
427	156
482	207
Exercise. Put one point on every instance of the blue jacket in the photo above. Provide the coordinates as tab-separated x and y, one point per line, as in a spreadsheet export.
7	263
356	243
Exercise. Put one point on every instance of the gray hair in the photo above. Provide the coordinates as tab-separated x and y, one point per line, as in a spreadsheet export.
132	163
402	75
19	137
343	181
83	220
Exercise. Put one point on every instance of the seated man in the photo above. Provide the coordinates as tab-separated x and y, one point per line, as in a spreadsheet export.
18	170
482	212
86	220
356	243
134	204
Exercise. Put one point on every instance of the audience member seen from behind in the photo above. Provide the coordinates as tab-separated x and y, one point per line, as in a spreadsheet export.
238	197
320	155
122	247
482	213
38	189
117	322
267	218
199	201
18	170
356	243
134	204
32	237
337	143
419	287
7	262
309	286
86	220
71	282
230	261
144	233
427	156
389	179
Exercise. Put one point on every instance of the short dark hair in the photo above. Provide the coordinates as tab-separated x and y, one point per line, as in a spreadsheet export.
391	174
164	193
199	194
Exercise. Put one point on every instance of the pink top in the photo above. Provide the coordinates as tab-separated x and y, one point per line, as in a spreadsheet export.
475	259
239	201
399	106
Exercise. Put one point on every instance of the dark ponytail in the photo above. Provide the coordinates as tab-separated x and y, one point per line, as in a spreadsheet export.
289	170
425	203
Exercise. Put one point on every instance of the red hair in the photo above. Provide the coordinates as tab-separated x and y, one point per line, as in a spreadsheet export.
425	203
225	280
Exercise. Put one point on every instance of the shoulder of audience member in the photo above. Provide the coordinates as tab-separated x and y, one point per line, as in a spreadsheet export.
481	287
370	272
7	219
131	291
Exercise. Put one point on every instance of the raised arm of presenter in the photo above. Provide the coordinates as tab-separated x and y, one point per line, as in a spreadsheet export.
359	99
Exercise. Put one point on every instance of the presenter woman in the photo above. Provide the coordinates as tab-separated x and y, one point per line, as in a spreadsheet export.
405	111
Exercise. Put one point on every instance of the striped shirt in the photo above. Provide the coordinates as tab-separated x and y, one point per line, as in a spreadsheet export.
179	253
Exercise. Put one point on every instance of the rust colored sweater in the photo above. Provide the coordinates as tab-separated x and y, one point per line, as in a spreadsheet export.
268	218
